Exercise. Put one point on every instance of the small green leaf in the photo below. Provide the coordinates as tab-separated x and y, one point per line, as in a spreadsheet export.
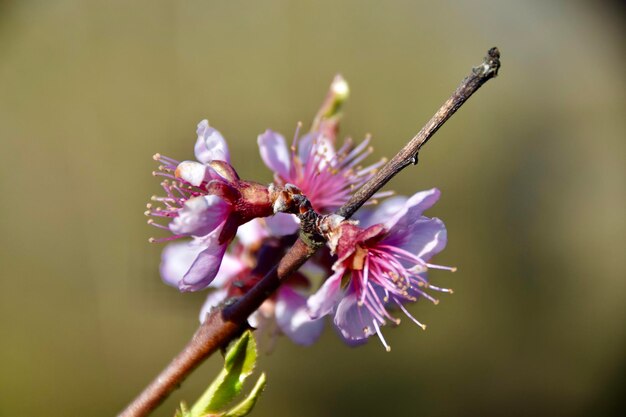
182	411
246	405
242	355
238	365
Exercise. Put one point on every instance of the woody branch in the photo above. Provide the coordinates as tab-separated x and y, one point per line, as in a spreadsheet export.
223	324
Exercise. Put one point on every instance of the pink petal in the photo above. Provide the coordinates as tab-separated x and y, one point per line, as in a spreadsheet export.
251	233
424	237
355	323
325	300
213	300
193	172
318	145
382	212
413	208
275	153
176	259
200	216
293	319
231	267
205	267
210	144
282	224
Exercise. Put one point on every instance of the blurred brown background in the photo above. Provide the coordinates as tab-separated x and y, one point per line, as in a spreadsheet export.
531	170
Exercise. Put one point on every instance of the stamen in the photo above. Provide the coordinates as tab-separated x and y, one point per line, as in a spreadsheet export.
151	222
365	275
296	135
405	311
445	268
380	336
164	239
448	290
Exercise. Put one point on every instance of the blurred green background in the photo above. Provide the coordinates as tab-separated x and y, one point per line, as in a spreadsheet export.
531	170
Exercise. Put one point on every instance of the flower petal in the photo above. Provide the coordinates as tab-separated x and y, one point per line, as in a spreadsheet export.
200	216
193	172
325	300
413	208
213	300
205	266
252	233
424	237
176	259
382	212
210	144
293	319
355	323
275	153
282	224
231	266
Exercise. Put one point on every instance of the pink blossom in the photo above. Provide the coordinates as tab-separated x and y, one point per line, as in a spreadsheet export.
327	176
206	201
287	308
386	264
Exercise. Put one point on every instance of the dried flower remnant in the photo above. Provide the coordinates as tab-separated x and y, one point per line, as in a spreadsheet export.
380	267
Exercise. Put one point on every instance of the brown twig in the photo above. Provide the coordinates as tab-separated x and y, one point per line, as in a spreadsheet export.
222	324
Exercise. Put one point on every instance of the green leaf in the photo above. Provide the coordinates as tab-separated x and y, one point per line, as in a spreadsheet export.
241	357
246	405
182	411
238	365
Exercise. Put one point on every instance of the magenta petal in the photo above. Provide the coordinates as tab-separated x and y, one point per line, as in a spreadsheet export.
210	144
355	323
275	153
213	300
382	212
176	259
200	216
325	300
305	146
204	268
413	208
423	237
293	319
282	224
231	266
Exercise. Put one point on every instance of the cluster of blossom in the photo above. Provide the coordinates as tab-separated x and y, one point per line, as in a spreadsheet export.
233	229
